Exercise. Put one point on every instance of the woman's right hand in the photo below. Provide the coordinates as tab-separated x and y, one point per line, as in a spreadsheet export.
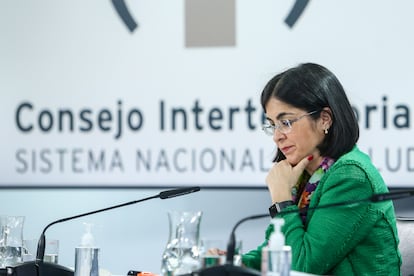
282	177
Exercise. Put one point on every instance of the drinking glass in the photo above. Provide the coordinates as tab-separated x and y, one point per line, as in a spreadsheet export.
52	251
29	250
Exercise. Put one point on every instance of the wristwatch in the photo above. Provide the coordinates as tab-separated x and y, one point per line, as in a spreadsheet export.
279	206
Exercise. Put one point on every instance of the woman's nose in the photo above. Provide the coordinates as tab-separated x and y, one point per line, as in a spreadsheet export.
278	136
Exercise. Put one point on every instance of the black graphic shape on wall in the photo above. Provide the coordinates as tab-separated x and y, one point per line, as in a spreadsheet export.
124	14
296	12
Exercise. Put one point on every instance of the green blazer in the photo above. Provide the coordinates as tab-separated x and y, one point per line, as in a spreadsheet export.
358	239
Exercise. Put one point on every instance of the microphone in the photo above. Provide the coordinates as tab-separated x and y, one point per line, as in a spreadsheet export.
229	269
162	195
40	268
177	192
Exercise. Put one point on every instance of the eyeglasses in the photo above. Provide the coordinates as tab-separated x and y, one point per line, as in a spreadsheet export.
284	126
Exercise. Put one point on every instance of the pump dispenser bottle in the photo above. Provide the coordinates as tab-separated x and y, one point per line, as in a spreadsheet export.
276	256
86	255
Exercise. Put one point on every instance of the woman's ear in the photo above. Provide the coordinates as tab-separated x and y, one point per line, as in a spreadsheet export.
326	118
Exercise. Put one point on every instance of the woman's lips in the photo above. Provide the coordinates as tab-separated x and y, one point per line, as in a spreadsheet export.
286	150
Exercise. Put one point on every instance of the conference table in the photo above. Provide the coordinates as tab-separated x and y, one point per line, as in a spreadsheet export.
103	272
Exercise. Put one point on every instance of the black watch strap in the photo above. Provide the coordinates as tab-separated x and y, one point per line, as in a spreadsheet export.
279	206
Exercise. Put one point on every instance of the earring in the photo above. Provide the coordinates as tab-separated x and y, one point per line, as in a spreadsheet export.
326	131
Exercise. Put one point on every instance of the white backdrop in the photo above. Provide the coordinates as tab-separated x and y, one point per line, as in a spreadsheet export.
121	89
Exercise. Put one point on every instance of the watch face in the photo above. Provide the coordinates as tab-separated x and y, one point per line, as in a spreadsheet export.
273	211
278	207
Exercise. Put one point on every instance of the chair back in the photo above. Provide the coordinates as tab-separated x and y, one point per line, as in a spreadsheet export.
405	226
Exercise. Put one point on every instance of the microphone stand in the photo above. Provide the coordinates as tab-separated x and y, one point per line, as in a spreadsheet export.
395	195
41	268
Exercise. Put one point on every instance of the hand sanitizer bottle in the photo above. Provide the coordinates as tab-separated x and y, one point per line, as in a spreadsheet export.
86	255
276	256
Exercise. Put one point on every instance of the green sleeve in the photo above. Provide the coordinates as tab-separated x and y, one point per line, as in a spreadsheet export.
332	232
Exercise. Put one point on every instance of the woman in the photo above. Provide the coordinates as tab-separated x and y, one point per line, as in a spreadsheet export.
318	163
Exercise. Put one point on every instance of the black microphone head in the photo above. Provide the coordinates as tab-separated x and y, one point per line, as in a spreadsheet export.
178	192
393	195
